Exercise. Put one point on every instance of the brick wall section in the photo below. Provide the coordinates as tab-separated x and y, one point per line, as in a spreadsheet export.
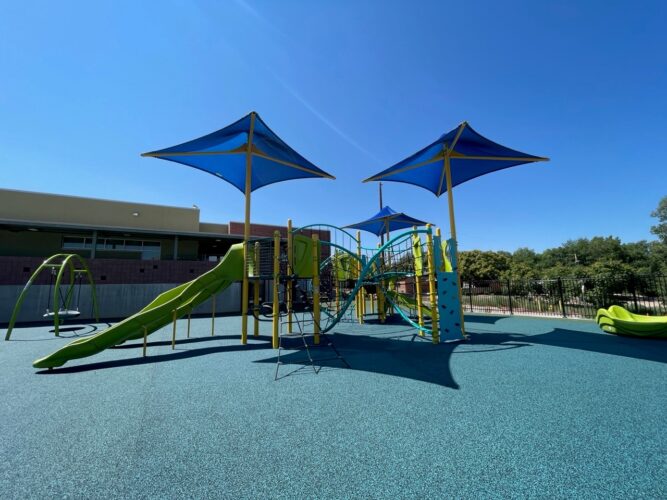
17	271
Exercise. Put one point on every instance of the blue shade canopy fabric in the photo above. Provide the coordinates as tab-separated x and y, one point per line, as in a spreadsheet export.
387	218
470	154
223	153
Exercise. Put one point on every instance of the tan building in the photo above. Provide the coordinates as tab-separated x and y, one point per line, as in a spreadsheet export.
41	224
135	251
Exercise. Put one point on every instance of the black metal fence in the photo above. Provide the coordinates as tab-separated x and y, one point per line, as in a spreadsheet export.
567	297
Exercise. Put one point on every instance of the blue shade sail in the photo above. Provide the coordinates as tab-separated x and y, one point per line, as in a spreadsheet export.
223	153
470	154
387	217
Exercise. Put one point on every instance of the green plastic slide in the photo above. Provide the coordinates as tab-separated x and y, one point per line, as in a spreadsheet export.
160	312
622	322
406	301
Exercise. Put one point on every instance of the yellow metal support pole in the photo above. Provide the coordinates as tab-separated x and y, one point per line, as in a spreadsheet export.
364	293
189	314
380	293
145	340
450	196
356	298
432	286
337	291
377	288
381	306
316	289
438	233
360	293
452	227
362	300
213	317
418	292
255	291
356	306
276	283
173	334
290	271
246	232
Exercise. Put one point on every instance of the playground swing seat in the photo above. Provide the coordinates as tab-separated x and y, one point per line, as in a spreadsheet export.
64	311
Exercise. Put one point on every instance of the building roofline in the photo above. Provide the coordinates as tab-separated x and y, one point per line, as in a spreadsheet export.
119	229
130	202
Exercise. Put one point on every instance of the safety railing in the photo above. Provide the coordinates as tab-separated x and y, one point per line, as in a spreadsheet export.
567	297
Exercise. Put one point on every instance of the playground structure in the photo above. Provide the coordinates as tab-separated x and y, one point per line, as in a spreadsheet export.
413	275
59	265
355	281
342	275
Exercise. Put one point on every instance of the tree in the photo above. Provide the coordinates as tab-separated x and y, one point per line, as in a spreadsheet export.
611	268
660	229
601	257
521	271
639	256
525	255
479	265
658	258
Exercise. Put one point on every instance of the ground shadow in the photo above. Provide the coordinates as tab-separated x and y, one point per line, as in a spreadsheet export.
488	320
396	355
68	329
644	349
380	352
191	340
325	357
75	332
265	343
393	319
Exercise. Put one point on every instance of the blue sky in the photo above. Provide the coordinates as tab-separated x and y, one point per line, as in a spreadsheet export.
85	87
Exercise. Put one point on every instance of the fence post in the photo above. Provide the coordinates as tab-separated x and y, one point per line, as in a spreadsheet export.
470	294
633	287
562	299
509	294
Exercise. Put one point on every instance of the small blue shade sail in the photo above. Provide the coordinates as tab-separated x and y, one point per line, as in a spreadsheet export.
387	217
471	155
223	153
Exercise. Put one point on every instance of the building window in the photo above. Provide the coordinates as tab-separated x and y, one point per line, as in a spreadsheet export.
150	250
77	243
